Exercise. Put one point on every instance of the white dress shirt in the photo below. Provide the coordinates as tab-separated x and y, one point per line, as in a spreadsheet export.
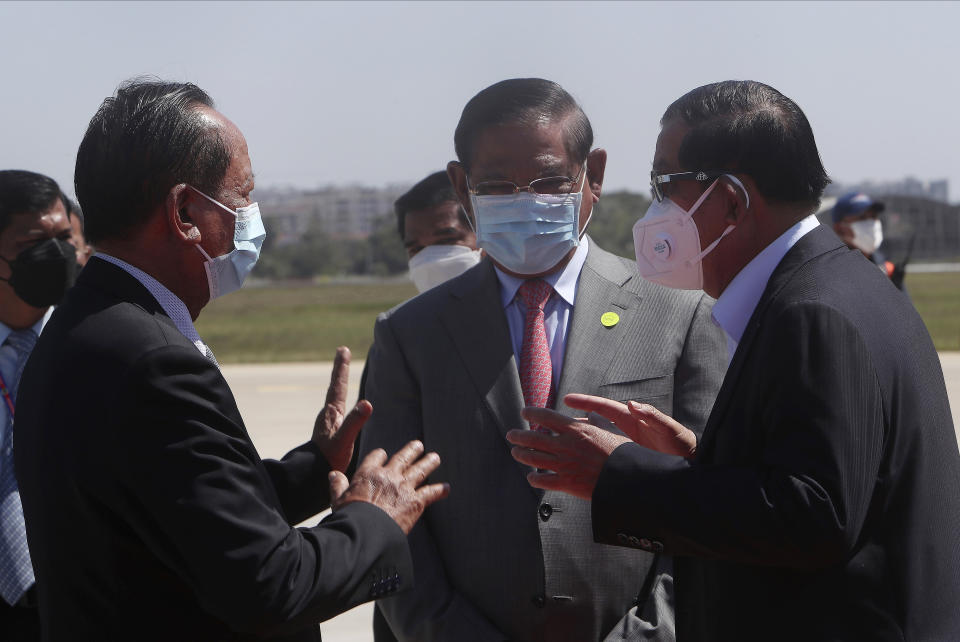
170	302
736	304
556	312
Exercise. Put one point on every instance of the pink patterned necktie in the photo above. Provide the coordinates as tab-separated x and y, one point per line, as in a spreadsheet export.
536	369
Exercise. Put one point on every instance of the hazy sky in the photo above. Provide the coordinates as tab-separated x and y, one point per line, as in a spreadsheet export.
371	92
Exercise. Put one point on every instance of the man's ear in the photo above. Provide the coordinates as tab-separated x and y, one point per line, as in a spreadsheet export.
742	197
179	203
458	178
596	165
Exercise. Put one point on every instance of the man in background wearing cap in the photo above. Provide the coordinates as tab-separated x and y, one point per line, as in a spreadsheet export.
856	222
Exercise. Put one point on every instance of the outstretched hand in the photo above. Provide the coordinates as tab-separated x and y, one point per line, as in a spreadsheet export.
333	433
643	423
395	487
570	459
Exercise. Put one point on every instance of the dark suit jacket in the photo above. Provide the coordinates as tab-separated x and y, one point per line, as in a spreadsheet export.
149	514
498	559
824	499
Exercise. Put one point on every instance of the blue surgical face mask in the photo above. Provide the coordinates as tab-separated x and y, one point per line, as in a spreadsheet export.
528	233
226	273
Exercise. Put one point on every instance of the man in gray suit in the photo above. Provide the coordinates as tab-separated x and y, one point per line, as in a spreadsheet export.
546	313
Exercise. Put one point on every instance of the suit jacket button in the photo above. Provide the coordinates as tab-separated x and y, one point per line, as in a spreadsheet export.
546	510
539	601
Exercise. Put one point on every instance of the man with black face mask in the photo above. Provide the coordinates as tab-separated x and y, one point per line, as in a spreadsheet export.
37	265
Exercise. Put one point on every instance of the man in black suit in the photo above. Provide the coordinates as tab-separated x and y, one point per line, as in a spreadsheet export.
822	501
149	514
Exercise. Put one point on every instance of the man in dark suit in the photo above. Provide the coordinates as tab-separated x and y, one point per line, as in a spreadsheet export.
822	501
455	366
149	514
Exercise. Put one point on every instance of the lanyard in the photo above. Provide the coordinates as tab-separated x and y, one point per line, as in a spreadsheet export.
5	391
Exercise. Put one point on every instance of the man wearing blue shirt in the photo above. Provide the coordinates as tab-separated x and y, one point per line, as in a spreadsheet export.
37	265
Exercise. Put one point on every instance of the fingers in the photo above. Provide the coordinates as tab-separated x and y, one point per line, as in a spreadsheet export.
608	408
676	439
433	493
422	468
405	456
353	422
339	380
338	484
653	418
545	480
374	459
531	439
535	458
548	419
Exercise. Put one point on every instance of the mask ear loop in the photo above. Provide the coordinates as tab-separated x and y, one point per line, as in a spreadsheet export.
700	200
728	229
215	201
736	181
710	247
473	205
590	215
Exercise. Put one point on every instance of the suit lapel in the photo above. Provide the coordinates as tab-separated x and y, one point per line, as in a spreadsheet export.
592	347
817	242
477	325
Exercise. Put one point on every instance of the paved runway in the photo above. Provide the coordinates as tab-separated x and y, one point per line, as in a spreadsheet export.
279	403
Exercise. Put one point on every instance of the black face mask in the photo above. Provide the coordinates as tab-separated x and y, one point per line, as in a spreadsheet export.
41	274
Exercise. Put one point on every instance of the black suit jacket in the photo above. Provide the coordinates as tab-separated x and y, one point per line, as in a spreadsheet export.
824	499
149	514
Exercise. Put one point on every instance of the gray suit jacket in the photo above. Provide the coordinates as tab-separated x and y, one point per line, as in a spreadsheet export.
498	559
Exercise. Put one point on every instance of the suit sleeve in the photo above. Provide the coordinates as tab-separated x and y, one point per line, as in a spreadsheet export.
198	496
699	370
802	502
435	610
300	479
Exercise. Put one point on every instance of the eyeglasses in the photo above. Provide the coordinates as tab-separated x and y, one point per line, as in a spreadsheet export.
657	180
549	186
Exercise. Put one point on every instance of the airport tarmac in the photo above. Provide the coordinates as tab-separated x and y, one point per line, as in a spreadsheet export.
279	403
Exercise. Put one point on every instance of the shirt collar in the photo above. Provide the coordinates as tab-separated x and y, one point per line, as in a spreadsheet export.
564	282
170	302
37	327
736	304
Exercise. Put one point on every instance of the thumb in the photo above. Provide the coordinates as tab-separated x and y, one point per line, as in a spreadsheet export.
338	485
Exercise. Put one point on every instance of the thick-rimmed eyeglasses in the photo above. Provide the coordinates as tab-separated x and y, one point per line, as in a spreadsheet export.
548	186
657	181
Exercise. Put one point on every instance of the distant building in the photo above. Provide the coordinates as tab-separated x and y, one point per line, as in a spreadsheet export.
935	223
349	212
933	190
